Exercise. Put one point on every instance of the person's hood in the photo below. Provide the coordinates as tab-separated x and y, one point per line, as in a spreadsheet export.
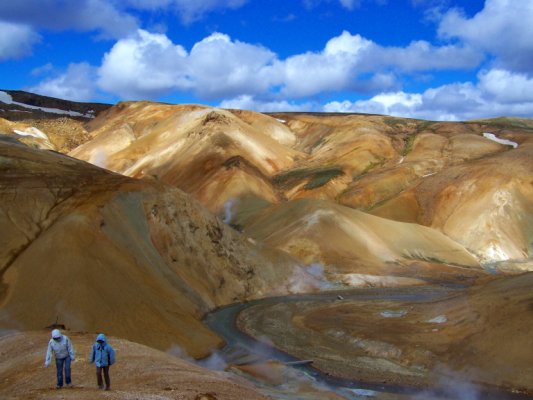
101	336
56	333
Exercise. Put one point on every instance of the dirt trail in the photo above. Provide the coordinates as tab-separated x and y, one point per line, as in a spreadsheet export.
140	373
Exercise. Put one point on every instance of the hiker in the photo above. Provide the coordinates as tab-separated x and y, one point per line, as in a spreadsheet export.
64	353
103	356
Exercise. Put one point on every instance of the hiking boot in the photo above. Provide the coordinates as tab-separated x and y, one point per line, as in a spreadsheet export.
58	387
69	385
108	388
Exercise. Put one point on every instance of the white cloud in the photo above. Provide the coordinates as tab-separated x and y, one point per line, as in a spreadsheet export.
111	18
506	87
145	65
421	55
16	40
497	93
348	56
501	29
83	15
222	67
76	84
247	102
148	65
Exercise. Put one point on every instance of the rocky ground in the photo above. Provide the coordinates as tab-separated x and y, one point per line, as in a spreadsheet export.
477	337
139	373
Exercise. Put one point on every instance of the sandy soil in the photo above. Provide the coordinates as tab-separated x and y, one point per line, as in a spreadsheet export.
139	373
474	337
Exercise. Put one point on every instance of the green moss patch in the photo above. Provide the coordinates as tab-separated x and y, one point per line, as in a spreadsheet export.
315	177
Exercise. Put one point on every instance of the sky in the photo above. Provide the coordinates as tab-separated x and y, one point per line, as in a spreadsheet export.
428	59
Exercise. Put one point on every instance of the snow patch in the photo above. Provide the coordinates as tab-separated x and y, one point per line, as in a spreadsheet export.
496	253
281	120
6	98
363	392
393	313
315	217
441	319
493	137
34	132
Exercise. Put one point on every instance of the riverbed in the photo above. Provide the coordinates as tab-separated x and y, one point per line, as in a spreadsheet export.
275	329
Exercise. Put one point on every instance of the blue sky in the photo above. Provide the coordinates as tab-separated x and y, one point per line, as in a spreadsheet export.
430	59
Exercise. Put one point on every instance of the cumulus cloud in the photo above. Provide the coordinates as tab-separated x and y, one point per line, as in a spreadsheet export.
145	65
223	67
82	15
148	65
76	84
247	102
111	18
16	40
348	56
500	28
497	93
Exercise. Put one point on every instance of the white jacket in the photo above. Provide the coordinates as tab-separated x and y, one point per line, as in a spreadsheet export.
61	348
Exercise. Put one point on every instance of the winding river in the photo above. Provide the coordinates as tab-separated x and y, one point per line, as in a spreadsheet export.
223	322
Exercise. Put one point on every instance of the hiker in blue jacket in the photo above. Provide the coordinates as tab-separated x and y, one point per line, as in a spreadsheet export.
64	354
103	356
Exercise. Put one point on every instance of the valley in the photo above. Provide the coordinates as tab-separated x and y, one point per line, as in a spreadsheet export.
395	254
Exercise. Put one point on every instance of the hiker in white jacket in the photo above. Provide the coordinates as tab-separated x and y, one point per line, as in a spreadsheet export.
64	353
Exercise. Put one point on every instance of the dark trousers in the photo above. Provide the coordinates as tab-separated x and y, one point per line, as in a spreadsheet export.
106	377
63	364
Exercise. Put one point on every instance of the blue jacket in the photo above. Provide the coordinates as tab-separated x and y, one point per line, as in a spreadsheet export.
103	354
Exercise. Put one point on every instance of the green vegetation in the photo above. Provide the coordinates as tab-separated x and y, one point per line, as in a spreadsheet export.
395	122
424	126
508	122
318	143
316	177
408	144
321	178
373	164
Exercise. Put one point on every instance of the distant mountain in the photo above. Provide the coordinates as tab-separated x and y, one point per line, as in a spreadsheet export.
446	176
17	105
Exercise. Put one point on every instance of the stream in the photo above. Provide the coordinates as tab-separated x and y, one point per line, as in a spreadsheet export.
244	349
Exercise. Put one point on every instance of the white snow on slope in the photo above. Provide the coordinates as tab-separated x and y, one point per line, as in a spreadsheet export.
493	137
6	98
36	133
441	319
